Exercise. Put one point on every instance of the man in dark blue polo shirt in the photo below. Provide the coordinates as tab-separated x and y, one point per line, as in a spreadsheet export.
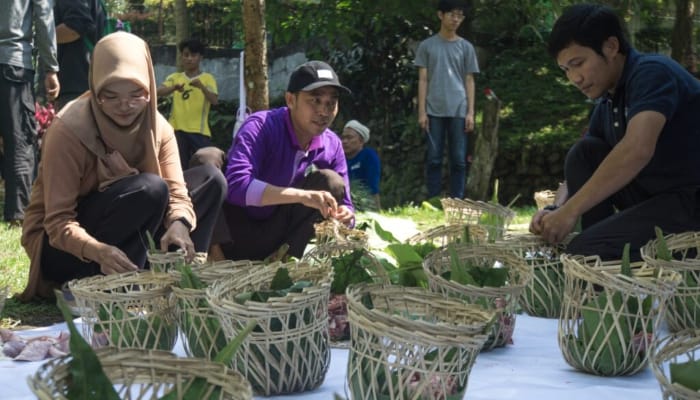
639	164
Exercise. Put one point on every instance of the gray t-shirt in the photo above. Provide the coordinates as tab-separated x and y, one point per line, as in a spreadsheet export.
448	63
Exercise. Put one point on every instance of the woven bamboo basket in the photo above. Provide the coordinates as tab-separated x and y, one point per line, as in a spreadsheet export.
677	348
494	217
683	309
411	343
130	310
332	230
165	261
340	257
288	351
609	320
544	198
543	296
138	374
443	235
200	329
502	300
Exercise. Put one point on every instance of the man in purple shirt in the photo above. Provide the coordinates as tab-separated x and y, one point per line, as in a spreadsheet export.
286	170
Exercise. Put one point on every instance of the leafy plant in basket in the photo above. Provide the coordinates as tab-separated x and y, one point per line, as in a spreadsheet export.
438	387
134	328
349	268
88	379
495	222
207	342
543	296
608	328
280	286
479	275
685	305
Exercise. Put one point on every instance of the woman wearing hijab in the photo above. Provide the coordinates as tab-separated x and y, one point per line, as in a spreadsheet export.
109	173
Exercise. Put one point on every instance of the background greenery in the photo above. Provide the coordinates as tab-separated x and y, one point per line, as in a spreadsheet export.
371	44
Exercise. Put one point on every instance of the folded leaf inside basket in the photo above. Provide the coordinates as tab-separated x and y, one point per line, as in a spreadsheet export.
686	374
88	379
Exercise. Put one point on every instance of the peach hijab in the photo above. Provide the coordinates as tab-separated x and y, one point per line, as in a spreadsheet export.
121	151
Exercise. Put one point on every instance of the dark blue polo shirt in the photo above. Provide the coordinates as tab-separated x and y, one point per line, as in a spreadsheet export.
365	167
656	83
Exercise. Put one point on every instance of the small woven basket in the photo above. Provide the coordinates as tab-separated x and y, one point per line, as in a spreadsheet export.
443	235
138	374
165	261
543	296
544	198
676	348
683	308
332	230
130	310
337	255
409	343
494	217
288	351
502	300
200	329
608	320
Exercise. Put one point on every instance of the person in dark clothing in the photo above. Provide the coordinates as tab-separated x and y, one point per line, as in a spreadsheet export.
77	31
637	167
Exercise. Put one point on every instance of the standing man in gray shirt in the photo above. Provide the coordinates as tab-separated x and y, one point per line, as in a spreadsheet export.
27	24
446	66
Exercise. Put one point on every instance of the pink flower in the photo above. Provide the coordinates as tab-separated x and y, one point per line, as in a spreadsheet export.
44	116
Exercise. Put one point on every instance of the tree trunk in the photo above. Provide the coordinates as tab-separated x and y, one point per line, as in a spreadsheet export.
485	152
255	54
682	37
182	27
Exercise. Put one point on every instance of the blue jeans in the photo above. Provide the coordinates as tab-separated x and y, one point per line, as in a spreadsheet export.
452	129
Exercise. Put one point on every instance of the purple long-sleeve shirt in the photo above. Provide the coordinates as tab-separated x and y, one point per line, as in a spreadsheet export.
266	151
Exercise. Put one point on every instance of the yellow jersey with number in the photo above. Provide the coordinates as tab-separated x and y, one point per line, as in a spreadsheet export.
190	109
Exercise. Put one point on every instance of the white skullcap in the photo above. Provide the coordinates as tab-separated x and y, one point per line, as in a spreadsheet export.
362	130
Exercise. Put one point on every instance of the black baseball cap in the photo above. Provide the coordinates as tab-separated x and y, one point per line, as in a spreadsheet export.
312	75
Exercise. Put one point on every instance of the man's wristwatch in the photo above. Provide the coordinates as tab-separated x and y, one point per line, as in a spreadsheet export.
550	207
185	222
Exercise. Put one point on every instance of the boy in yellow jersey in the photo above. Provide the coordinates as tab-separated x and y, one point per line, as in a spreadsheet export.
193	92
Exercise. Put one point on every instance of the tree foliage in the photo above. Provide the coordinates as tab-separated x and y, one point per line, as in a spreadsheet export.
371	44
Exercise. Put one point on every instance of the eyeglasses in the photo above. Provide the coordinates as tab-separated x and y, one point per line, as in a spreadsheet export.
455	15
116	101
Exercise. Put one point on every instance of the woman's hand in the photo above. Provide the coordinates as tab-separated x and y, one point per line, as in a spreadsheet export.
113	261
179	235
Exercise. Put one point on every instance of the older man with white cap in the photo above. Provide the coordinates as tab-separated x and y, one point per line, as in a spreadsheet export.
364	166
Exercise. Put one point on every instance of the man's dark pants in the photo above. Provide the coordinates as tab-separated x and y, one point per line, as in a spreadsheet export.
18	128
293	224
630	215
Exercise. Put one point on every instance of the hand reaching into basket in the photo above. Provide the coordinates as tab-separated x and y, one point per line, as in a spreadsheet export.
112	260
178	235
553	224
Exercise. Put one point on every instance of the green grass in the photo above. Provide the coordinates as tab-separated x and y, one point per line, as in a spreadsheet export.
15	264
13	258
15	270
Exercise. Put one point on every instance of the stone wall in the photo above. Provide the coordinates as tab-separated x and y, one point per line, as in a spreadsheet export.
224	64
